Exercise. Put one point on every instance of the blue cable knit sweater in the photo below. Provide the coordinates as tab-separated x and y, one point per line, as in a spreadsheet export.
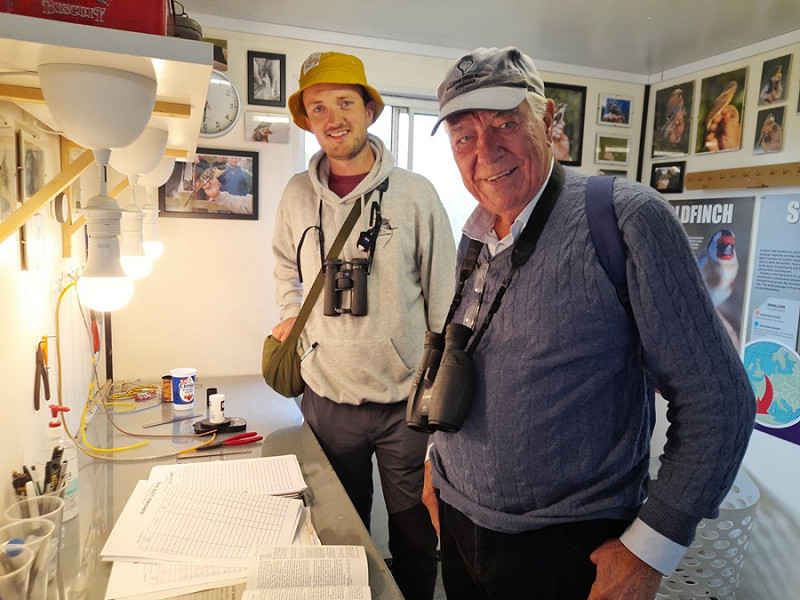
560	425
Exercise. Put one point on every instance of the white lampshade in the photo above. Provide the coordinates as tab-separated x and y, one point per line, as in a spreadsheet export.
98	107
159	175
143	155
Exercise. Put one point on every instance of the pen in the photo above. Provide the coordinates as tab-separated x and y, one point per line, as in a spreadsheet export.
309	351
27	471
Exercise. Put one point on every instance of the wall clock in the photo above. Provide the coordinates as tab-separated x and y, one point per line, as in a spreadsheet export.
223	106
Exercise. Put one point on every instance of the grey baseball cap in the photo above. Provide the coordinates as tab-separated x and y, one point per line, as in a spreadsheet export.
487	79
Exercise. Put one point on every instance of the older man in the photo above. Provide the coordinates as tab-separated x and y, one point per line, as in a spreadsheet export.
543	492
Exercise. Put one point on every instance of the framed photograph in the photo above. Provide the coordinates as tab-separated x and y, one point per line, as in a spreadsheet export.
612	149
614	110
266	78
570	109
220	53
672	123
266	128
9	198
32	165
721	112
774	80
667	178
769	130
215	184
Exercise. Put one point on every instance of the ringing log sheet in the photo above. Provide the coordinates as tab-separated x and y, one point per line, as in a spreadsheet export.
276	475
186	523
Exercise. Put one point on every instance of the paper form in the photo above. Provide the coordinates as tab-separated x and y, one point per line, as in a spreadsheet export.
276	475
183	523
149	581
165	580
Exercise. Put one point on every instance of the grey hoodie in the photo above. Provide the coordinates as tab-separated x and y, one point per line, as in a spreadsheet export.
372	357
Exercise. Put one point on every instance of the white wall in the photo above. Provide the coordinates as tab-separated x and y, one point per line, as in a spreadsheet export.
209	300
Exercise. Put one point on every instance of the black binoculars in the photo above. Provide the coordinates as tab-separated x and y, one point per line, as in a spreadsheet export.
345	287
442	391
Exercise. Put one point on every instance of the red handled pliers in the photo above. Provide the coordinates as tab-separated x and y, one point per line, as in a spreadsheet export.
237	440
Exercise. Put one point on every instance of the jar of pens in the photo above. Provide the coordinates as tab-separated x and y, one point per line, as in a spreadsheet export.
47	490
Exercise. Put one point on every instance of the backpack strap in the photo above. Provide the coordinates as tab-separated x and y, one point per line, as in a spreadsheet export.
606	236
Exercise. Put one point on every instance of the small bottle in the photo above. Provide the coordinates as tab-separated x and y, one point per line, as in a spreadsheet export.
56	443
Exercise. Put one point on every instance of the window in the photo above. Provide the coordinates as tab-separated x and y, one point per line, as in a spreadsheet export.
405	127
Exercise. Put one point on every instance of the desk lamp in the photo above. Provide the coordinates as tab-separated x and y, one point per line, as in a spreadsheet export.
141	156
100	108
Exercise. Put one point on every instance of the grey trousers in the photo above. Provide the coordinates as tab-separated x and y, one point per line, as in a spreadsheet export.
350	435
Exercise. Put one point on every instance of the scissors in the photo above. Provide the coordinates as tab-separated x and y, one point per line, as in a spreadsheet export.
237	440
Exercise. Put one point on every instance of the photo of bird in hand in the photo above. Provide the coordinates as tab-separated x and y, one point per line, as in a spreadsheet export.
674	117
722	123
773	88
771	137
204	179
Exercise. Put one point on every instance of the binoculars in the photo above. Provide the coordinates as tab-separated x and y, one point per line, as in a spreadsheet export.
345	287
442	391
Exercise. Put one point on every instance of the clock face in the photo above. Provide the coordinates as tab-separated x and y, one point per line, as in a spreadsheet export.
222	106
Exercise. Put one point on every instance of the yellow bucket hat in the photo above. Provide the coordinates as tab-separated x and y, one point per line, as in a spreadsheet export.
331	67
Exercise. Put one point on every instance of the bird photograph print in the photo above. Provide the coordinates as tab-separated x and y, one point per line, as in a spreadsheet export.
719	122
614	110
672	124
769	130
774	80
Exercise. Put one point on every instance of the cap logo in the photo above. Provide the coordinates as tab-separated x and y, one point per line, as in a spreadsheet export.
465	65
311	62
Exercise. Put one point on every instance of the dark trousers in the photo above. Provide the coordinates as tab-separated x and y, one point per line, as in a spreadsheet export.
545	564
350	435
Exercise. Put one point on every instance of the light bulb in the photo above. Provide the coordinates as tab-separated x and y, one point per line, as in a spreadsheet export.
103	286
152	245
135	261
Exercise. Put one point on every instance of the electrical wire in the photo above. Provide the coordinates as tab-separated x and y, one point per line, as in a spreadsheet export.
98	394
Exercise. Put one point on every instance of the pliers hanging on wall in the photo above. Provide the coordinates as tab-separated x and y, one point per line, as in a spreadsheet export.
42	378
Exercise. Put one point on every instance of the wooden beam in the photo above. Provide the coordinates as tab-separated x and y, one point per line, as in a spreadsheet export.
19	93
35	203
784	174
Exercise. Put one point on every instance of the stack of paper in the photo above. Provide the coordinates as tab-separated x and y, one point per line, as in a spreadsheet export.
197	526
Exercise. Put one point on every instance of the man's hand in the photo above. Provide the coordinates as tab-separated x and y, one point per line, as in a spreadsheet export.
283	329
725	131
429	497
621	575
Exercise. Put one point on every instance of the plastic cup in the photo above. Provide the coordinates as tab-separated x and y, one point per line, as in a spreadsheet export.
15	569
183	384
37	535
50	508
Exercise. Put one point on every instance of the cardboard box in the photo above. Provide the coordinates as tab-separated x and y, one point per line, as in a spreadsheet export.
143	16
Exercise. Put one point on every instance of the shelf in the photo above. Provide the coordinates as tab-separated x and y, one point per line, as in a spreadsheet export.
182	67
